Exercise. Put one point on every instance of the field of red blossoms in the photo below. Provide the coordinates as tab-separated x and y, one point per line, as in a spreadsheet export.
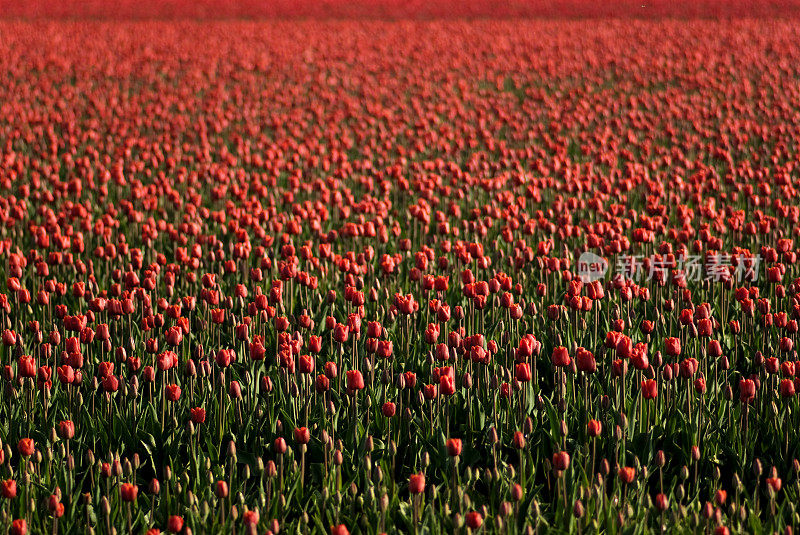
464	276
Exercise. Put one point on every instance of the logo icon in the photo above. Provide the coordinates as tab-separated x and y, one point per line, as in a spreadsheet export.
591	267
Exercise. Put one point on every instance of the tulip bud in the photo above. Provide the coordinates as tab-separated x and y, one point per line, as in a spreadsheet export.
577	509
757	469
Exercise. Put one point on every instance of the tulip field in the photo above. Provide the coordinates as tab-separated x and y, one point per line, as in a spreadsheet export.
466	274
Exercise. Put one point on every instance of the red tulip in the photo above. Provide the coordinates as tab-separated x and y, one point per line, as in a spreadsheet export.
453	447
416	483
18	527
26	447
355	381
302	435
474	520
585	361
173	392
561	461
561	357
747	390
341	333
128	492
197	415
522	372
388	409
627	474
594	428
8	488
175	524
66	429
649	389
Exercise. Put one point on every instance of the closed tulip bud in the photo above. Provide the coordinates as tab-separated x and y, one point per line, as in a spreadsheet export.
757	469
605	468
577	509
519	440
684	472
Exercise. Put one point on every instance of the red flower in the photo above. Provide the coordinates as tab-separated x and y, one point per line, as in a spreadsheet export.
453	447
218	317
175	524
322	383
174	336
250	518
673	346
626	474
704	327
66	429
314	344
9	489
355	381
173	392
306	364
688	367
9	337
385	348
26	447
522	372
649	389
341	333
18	527
561	357
302	435
197	415
110	384
774	484
747	390
55	506
129	492
700	385
474	520
585	361
561	461
26	366
224	357
416	483
594	428
331	371
447	385
388	409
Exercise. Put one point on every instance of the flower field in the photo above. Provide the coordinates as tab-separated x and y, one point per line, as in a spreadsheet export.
524	274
